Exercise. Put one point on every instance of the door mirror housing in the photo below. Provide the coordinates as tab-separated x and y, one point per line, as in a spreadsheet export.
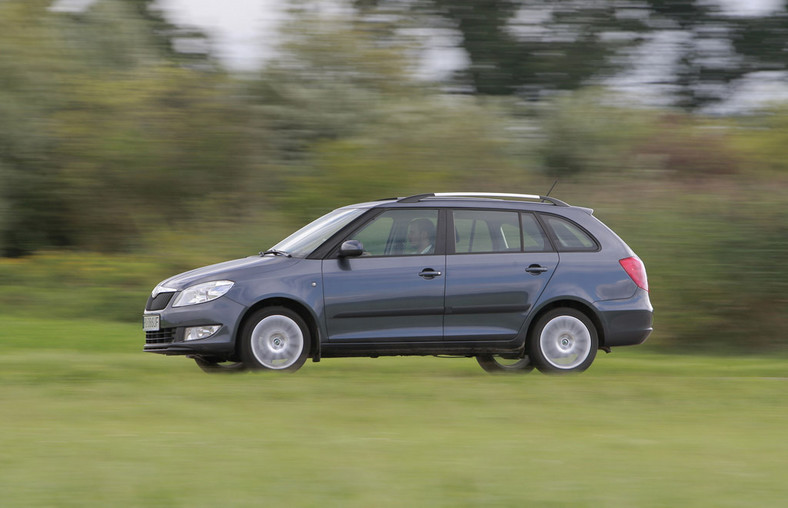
351	248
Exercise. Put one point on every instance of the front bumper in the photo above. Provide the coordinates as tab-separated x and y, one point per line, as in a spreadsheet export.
168	340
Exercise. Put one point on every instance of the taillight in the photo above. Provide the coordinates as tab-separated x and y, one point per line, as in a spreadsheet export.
636	271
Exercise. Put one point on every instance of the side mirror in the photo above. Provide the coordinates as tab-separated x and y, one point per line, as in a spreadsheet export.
351	248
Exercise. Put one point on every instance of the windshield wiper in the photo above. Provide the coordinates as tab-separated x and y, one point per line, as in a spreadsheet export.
276	252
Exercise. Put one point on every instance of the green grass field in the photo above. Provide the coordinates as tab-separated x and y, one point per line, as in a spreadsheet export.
87	419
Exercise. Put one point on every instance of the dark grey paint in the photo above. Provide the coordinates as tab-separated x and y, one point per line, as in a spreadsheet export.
489	296
384	298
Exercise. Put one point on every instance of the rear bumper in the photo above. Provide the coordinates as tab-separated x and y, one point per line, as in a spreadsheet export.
626	322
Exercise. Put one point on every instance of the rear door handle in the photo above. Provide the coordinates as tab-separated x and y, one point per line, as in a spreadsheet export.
429	273
536	269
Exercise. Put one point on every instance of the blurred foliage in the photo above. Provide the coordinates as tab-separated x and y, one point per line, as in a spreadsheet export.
715	250
761	140
534	48
78	285
422	145
123	161
585	133
100	133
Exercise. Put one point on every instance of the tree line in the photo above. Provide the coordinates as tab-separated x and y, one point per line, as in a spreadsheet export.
108	130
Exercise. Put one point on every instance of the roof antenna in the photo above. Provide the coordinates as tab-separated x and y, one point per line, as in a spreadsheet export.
551	188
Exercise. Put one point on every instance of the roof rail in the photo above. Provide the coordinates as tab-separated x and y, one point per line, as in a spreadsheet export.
418	197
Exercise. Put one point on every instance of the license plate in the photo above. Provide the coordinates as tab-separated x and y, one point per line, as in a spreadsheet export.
150	323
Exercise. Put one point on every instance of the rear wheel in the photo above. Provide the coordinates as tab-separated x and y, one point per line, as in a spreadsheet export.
497	364
275	338
563	340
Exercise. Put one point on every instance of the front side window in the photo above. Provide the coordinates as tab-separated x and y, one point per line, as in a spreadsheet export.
399	233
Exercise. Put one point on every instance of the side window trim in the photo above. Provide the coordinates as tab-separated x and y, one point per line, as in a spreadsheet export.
549	245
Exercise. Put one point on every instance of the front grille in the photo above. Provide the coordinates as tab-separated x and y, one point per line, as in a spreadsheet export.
159	302
163	336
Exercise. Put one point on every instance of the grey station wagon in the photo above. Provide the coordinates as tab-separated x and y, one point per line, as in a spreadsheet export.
515	280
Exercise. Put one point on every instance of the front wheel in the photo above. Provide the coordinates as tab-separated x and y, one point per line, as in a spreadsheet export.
275	338
496	364
563	340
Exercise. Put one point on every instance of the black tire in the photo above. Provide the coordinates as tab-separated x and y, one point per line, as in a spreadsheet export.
495	364
214	366
563	340
275	338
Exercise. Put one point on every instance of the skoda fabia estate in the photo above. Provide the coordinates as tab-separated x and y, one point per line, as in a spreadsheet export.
515	280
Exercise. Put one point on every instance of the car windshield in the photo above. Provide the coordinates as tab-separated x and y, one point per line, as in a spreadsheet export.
310	237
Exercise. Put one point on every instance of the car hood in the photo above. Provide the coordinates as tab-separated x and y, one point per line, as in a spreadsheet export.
228	270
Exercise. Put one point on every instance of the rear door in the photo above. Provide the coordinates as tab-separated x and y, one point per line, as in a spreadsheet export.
498	264
395	290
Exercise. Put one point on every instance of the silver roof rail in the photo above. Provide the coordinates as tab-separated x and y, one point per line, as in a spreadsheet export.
493	195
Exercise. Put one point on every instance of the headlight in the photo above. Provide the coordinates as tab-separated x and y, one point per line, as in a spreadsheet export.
202	293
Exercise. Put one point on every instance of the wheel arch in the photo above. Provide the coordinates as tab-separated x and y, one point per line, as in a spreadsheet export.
297	307
578	305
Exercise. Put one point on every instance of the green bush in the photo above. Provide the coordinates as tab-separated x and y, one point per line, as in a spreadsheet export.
716	261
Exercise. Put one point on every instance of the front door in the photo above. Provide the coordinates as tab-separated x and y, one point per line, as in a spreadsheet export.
394	291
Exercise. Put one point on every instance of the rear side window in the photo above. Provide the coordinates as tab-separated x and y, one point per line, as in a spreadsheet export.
568	235
486	231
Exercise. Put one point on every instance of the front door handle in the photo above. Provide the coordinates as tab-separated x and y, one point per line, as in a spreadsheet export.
429	273
536	269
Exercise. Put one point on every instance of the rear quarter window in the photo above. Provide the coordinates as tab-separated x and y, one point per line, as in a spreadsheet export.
568	236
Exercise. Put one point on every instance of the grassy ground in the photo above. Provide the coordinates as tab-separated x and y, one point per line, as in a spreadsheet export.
87	419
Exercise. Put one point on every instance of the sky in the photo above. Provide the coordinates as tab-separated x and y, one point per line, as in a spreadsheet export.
243	31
